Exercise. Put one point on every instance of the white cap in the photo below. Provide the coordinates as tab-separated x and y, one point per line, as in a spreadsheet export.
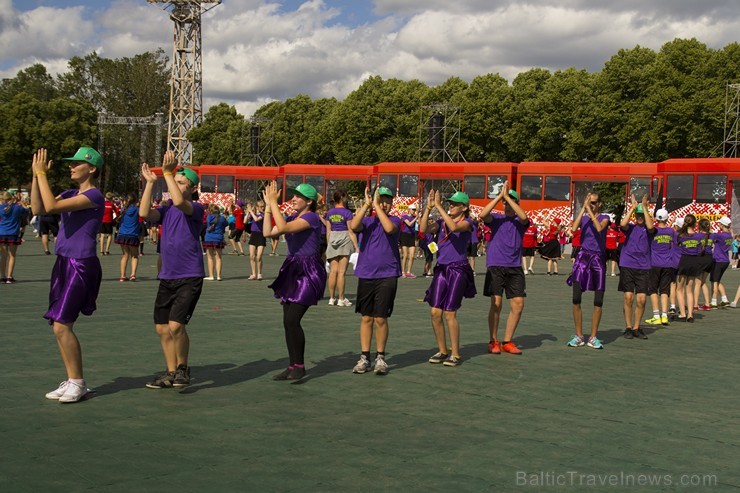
661	215
725	221
412	206
679	222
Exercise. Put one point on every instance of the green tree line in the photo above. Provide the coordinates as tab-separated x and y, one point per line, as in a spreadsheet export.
642	106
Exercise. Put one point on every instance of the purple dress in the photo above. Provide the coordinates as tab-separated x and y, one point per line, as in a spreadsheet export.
76	275
453	278
302	277
589	268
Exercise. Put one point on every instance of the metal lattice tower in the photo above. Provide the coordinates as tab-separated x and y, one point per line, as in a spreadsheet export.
260	139
439	133
186	82
732	121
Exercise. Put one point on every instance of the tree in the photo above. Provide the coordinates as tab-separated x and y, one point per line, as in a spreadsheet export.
221	138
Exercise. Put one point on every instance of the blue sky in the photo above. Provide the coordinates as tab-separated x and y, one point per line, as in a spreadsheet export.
256	51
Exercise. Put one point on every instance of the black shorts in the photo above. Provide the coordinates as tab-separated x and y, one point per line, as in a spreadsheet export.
106	228
46	227
408	240
612	255
510	279
528	252
690	266
257	239
236	234
176	300
428	255
375	297
660	280
472	250
574	252
707	261
718	270
633	280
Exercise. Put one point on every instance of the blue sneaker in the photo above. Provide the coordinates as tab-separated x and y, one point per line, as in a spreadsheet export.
594	343
577	341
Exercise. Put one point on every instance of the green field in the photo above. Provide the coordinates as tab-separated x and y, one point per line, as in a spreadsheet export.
663	409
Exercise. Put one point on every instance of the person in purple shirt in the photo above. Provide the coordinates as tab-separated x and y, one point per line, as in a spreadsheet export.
453	278
257	241
341	243
589	268
377	271
690	267
301	280
634	266
408	241
76	275
707	264
504	271
721	255
12	216
181	275
662	267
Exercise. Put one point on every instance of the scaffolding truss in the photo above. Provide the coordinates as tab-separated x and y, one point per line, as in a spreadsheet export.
143	122
186	81
732	121
261	142
439	133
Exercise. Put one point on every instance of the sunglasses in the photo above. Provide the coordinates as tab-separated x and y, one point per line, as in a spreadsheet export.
594	203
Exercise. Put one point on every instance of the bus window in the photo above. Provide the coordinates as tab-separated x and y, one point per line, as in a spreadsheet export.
494	185
679	191
557	188
531	188
445	187
251	190
207	183
291	181
389	181
711	189
226	184
354	188
317	182
409	186
639	187
475	187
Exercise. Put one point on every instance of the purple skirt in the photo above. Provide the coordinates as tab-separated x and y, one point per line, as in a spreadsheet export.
589	270
127	240
10	240
450	284
301	280
75	284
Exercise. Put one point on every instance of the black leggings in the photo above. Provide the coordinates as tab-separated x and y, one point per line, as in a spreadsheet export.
577	295
294	337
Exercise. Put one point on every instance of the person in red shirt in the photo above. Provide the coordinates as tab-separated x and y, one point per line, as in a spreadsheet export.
550	251
529	244
612	246
576	244
236	235
110	212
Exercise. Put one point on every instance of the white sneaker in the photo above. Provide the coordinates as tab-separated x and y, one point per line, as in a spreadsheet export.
332	301
362	366
54	395
73	393
381	367
344	302
209	278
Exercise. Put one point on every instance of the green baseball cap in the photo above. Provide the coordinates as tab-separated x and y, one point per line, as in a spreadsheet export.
639	209
87	155
385	191
460	198
191	175
307	190
514	195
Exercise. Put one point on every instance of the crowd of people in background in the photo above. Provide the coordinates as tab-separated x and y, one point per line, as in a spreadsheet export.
674	265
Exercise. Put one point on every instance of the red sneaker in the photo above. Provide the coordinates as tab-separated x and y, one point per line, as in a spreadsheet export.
510	347
494	347
705	308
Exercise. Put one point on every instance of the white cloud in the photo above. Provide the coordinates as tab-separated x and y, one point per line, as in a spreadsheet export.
255	51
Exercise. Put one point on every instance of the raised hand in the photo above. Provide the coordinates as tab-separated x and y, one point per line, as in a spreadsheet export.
147	174
272	192
169	163
40	164
368	197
